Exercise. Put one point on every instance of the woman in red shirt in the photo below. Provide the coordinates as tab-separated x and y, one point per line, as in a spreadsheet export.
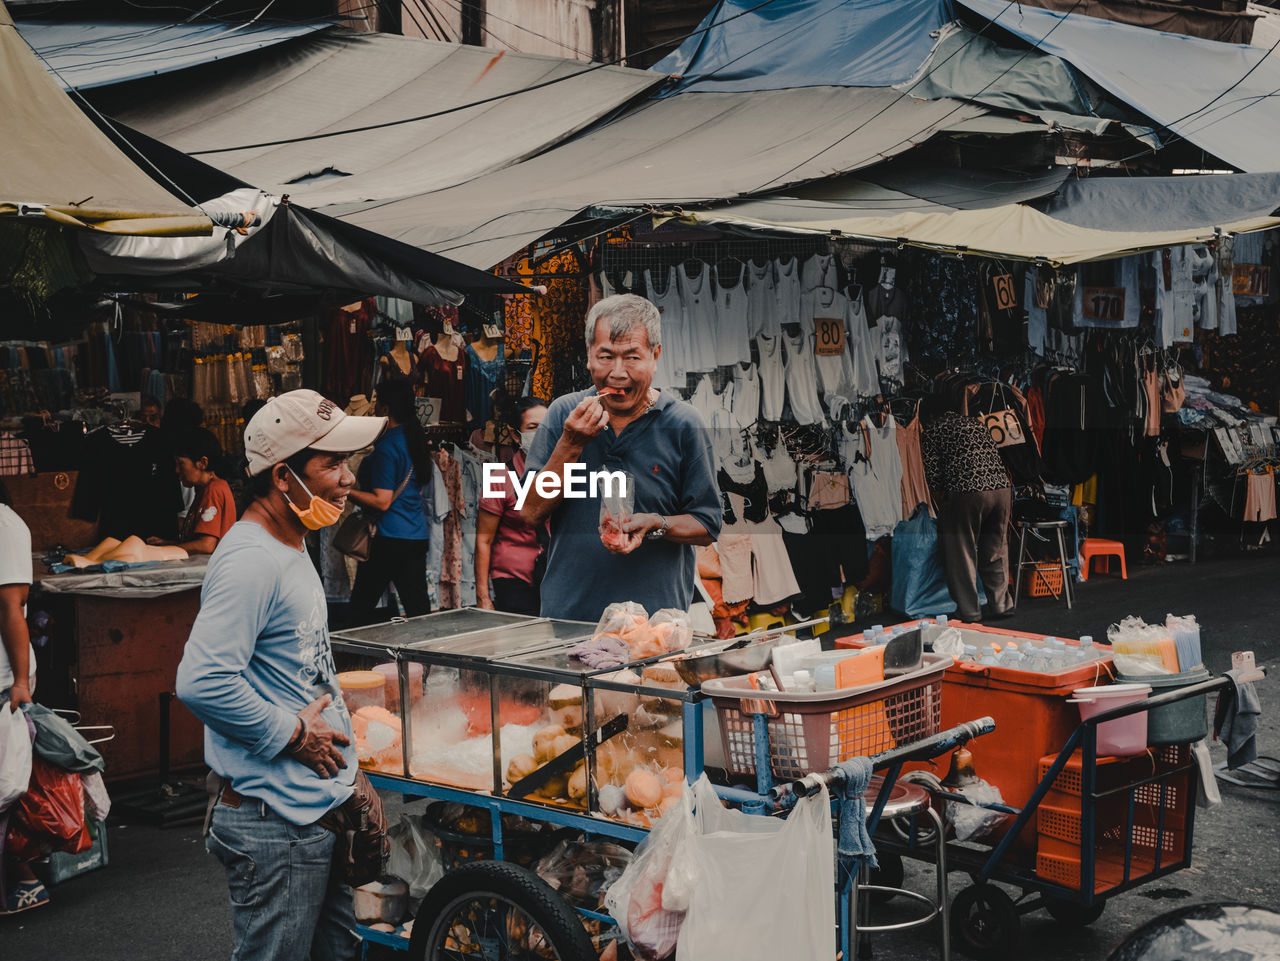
507	546
213	511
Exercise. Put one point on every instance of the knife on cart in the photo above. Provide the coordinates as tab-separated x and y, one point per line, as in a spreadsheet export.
566	762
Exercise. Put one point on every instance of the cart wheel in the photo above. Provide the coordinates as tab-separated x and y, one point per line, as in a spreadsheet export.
490	910
985	923
1073	913
890	874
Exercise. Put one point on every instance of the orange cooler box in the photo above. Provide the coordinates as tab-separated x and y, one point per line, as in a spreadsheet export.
1030	709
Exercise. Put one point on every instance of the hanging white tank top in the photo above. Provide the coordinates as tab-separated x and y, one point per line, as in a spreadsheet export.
731	329
862	354
773	383
703	399
761	294
876	482
698	296
746	395
779	468
786	292
802	380
670	373
819	271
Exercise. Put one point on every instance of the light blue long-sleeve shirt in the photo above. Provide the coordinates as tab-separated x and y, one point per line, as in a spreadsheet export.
257	655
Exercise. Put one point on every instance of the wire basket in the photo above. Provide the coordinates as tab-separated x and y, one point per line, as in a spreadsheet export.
811	732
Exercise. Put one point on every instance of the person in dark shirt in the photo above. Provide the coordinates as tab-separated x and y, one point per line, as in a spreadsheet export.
971	487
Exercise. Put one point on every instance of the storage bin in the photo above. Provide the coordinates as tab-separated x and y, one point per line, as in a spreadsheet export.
813	731
1043	579
1122	736
1186	721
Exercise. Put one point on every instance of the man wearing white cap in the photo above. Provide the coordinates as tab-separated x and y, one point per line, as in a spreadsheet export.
259	673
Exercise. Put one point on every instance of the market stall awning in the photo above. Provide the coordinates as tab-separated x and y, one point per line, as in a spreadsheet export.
748	45
84	54
301	97
1015	231
1222	97
55	165
1164	203
688	149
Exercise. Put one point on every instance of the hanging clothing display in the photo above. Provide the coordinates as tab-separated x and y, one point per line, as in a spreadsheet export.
746	395
762	304
672	359
697	293
732	340
875	471
773	378
802	379
446	379
480	378
915	487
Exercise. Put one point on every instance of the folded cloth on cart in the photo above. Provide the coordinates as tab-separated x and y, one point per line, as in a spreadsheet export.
1235	720
855	846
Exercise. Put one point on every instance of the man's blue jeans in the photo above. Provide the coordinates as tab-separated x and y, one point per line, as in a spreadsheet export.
288	899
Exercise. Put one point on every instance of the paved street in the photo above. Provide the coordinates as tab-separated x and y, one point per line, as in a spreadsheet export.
163	898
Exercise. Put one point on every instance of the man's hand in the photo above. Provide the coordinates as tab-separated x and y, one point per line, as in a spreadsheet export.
319	748
483	602
19	695
585	421
633	532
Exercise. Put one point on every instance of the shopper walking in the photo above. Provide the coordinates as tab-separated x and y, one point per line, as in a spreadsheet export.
507	546
392	478
22	888
259	674
975	501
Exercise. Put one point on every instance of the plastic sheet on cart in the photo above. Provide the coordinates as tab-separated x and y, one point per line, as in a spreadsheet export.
137	581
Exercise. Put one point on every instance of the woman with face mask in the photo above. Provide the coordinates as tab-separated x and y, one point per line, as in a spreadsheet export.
507	547
391	480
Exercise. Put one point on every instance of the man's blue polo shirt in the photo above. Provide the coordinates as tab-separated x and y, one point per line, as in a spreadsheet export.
667	453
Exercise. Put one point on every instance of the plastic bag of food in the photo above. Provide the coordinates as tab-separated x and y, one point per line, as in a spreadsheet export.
979	824
616	508
634	901
415	855
672	629
582	871
621	618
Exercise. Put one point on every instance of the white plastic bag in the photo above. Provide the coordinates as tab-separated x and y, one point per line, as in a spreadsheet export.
97	802
635	900
759	886
15	755
415	855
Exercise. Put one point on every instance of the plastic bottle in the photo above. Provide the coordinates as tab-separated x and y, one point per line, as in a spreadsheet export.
1013	658
802	680
941	620
989	656
970	653
824	677
869	635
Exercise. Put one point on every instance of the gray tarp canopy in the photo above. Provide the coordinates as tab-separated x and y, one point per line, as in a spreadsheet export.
95	53
1164	203
339	80
458	185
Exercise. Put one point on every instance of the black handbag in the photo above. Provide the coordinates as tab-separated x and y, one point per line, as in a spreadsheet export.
354	537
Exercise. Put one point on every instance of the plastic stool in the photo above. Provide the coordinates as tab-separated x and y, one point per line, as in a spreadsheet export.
905	801
1104	550
1040	528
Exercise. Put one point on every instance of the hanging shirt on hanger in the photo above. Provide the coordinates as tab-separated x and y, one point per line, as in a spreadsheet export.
697	294
670	374
761	299
773	380
819	271
802	379
732	341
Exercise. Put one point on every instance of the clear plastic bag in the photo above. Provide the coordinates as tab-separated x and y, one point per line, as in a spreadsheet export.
15	755
972	823
415	855
672	629
621	619
97	802
616	509
582	871
635	900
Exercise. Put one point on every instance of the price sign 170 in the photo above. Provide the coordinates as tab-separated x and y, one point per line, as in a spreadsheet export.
1104	303
829	341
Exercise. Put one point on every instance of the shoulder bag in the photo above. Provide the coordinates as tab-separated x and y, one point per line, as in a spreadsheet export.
355	535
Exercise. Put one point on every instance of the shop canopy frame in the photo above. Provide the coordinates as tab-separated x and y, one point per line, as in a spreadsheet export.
57	167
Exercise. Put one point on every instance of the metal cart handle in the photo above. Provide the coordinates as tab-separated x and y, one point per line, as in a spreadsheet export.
929	747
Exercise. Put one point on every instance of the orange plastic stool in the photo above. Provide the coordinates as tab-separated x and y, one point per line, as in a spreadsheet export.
1104	550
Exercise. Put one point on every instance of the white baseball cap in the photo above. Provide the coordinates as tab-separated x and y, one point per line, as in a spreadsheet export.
300	419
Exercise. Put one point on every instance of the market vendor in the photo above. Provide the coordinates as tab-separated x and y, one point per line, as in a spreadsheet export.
623	423
197	455
259	674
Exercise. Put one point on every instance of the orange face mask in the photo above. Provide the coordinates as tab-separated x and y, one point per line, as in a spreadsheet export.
320	513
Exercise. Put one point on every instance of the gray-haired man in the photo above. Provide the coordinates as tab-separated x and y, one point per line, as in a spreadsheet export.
623	423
